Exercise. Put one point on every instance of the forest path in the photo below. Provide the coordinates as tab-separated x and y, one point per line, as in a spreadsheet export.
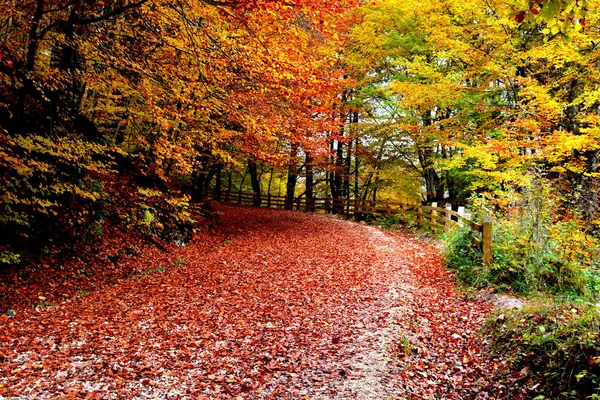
268	305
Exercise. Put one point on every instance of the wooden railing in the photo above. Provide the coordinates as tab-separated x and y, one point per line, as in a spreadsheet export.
409	212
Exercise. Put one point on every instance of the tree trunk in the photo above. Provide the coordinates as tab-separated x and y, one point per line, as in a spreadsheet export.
292	178
229	181
199	177
218	182
335	175
255	182
348	167
355	119
241	188
270	180
310	183
67	106
22	121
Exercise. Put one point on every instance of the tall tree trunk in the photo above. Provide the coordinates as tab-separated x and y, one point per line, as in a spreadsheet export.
292	178
356	177
270	180
199	177
68	105
434	186
33	39
241	188
331	170
310	183
212	171
335	176
255	182
229	181
355	120
339	168
351	150
367	186
22	121
347	169
338	174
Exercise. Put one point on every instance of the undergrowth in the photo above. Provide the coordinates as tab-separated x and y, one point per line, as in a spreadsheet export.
567	265
64	193
536	249
554	346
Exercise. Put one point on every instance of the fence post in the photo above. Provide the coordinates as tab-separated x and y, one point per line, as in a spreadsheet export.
486	242
461	212
433	215
448	221
419	215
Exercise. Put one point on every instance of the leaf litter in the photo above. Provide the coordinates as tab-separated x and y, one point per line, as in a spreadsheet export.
268	304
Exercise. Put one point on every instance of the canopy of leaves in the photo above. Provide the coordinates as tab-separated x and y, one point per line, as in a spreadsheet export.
473	101
150	95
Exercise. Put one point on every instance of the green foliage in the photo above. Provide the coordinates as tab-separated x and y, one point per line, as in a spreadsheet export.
465	259
558	344
159	214
43	304
179	262
50	188
560	17
8	257
567	263
531	251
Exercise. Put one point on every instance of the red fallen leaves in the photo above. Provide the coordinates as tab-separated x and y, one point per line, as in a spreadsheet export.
272	304
447	360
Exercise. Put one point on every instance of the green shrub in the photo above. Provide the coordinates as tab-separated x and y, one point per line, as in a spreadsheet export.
465	259
556	347
567	264
534	250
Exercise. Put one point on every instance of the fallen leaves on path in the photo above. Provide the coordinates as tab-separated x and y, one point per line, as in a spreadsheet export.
269	305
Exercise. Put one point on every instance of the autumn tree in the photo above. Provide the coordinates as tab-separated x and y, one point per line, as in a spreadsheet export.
110	106
475	101
423	84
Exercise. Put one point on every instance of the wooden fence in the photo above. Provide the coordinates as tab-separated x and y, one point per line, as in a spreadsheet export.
434	217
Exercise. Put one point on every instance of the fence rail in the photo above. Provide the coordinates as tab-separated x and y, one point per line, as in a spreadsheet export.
434	217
